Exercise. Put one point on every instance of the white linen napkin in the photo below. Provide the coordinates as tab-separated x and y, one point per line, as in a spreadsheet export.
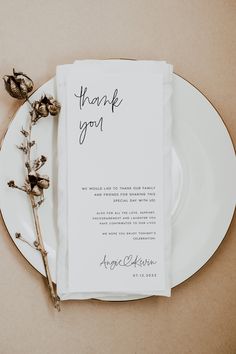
114	178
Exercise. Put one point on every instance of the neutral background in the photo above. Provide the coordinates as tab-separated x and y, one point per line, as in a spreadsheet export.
199	38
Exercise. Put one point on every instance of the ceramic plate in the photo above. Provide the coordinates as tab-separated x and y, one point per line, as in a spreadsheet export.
204	175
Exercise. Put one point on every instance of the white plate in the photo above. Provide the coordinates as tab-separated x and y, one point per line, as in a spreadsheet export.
206	179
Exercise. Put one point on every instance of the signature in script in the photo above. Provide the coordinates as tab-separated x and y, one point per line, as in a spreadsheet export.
126	261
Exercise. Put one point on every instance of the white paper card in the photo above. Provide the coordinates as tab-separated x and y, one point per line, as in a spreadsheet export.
114	228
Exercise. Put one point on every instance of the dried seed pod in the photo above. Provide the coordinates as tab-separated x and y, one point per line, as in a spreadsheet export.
33	178
54	108
36	191
36	105
18	85
11	184
23	88
42	110
43	183
20	77
11	87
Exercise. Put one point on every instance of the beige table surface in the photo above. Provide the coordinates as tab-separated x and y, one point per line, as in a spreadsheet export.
199	38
